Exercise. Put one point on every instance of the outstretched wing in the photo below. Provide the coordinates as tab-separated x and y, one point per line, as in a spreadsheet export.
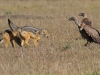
11	25
93	33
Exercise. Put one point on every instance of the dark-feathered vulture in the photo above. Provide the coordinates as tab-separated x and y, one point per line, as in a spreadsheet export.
85	19
92	32
83	32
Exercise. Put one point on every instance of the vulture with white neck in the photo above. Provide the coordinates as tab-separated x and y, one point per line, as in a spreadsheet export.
87	32
85	19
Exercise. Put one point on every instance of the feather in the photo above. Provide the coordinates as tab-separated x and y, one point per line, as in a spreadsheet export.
92	32
85	19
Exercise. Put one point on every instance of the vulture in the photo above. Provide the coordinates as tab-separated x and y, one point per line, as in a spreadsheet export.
82	31
91	32
85	19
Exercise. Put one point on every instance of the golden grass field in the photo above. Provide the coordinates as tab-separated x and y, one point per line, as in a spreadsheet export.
61	53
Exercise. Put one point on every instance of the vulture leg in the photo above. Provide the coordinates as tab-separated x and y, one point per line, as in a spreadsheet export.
88	43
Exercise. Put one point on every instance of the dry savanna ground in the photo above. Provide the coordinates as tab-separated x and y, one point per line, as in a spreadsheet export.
61	53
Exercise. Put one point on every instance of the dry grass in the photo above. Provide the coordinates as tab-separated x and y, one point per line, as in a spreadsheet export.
61	54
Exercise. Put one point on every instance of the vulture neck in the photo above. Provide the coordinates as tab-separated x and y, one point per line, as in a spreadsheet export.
77	22
85	16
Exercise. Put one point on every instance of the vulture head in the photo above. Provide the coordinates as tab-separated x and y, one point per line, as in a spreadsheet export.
75	20
83	14
72	19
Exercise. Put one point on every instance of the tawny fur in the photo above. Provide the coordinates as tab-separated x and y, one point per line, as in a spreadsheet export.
7	35
27	32
26	36
32	29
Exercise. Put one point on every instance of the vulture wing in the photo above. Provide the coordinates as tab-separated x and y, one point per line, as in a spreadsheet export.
93	33
87	22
